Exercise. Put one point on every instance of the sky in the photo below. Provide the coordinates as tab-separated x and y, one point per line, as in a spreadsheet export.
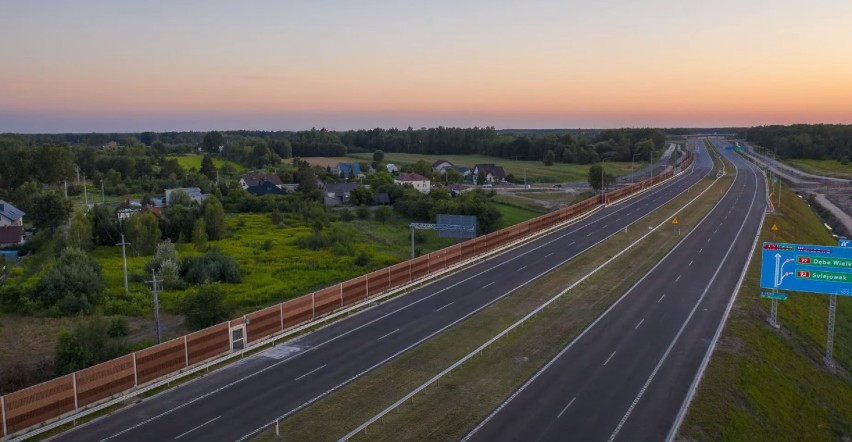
127	66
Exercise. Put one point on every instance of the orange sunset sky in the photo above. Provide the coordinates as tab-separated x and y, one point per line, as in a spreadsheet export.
198	65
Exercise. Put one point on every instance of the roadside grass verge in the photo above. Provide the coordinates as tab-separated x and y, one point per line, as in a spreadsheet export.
510	199
772	384
454	404
830	168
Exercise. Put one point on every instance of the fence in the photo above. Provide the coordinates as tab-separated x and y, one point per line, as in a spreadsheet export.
71	393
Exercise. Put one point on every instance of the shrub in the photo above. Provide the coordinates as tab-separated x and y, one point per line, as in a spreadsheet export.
87	344
212	267
363	259
277	217
118	328
363	212
383	213
346	215
267	245
205	307
74	283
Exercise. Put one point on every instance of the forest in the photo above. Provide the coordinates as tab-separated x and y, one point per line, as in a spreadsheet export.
806	141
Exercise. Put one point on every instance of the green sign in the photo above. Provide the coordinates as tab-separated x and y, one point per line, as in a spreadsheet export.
776	296
843	263
817	275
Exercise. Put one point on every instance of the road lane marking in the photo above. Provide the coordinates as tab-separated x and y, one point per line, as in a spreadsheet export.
521	268
490	283
610	357
661	298
312	371
589	234
445	306
701	250
678	278
548	254
385	336
690	262
190	431
566	407
640	323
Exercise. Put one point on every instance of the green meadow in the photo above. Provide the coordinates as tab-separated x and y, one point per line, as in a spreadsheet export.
194	162
536	171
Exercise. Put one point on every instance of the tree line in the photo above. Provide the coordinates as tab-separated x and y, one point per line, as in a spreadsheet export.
807	141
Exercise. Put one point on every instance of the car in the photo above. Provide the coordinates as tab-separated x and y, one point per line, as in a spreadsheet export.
557	186
487	186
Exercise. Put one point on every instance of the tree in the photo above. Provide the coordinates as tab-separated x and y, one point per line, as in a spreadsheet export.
88	343
378	156
549	158
208	169
199	235
74	283
214	218
179	197
143	231
79	233
205	307
50	210
212	141
165	251
362	196
104	226
595	177
480	178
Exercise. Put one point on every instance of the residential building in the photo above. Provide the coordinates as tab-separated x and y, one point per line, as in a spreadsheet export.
194	193
125	213
419	182
252	180
11	235
10	215
338	193
392	168
345	168
493	173
442	166
265	188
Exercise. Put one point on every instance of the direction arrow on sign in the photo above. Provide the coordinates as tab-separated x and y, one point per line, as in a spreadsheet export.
774	295
844	243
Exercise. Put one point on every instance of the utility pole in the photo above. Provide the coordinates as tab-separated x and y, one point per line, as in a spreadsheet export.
155	289
85	193
603	190
78	175
66	189
124	258
103	198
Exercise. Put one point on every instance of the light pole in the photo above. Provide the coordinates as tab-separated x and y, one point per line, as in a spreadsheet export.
631	169
603	189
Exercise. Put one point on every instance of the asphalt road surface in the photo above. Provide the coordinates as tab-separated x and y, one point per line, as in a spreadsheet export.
627	376
235	402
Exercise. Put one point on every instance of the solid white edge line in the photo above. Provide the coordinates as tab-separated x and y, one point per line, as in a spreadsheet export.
684	408
190	431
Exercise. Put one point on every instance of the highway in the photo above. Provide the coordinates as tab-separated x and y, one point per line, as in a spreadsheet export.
628	374
237	401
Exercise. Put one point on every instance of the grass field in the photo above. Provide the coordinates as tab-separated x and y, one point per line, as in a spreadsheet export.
328	161
514	215
536	171
454	404
282	272
194	161
831	168
771	384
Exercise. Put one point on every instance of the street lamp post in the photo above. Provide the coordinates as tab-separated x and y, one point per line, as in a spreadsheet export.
631	169
603	189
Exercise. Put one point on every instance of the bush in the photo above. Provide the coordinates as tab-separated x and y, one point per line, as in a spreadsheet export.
267	245
118	328
277	217
88	343
363	212
363	259
74	283
346	215
205	307
212	267
383	214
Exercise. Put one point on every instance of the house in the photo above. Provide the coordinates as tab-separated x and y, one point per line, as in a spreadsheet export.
493	174
252	180
419	182
11	235
464	171
392	168
125	213
345	168
266	188
194	194
10	215
442	166
338	193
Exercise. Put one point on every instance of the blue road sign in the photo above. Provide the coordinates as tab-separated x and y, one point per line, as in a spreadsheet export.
806	268
844	243
774	295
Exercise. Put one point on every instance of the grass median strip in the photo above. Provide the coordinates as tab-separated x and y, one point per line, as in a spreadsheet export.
456	403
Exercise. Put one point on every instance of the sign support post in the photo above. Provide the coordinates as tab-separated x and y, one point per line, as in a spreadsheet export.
829	341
